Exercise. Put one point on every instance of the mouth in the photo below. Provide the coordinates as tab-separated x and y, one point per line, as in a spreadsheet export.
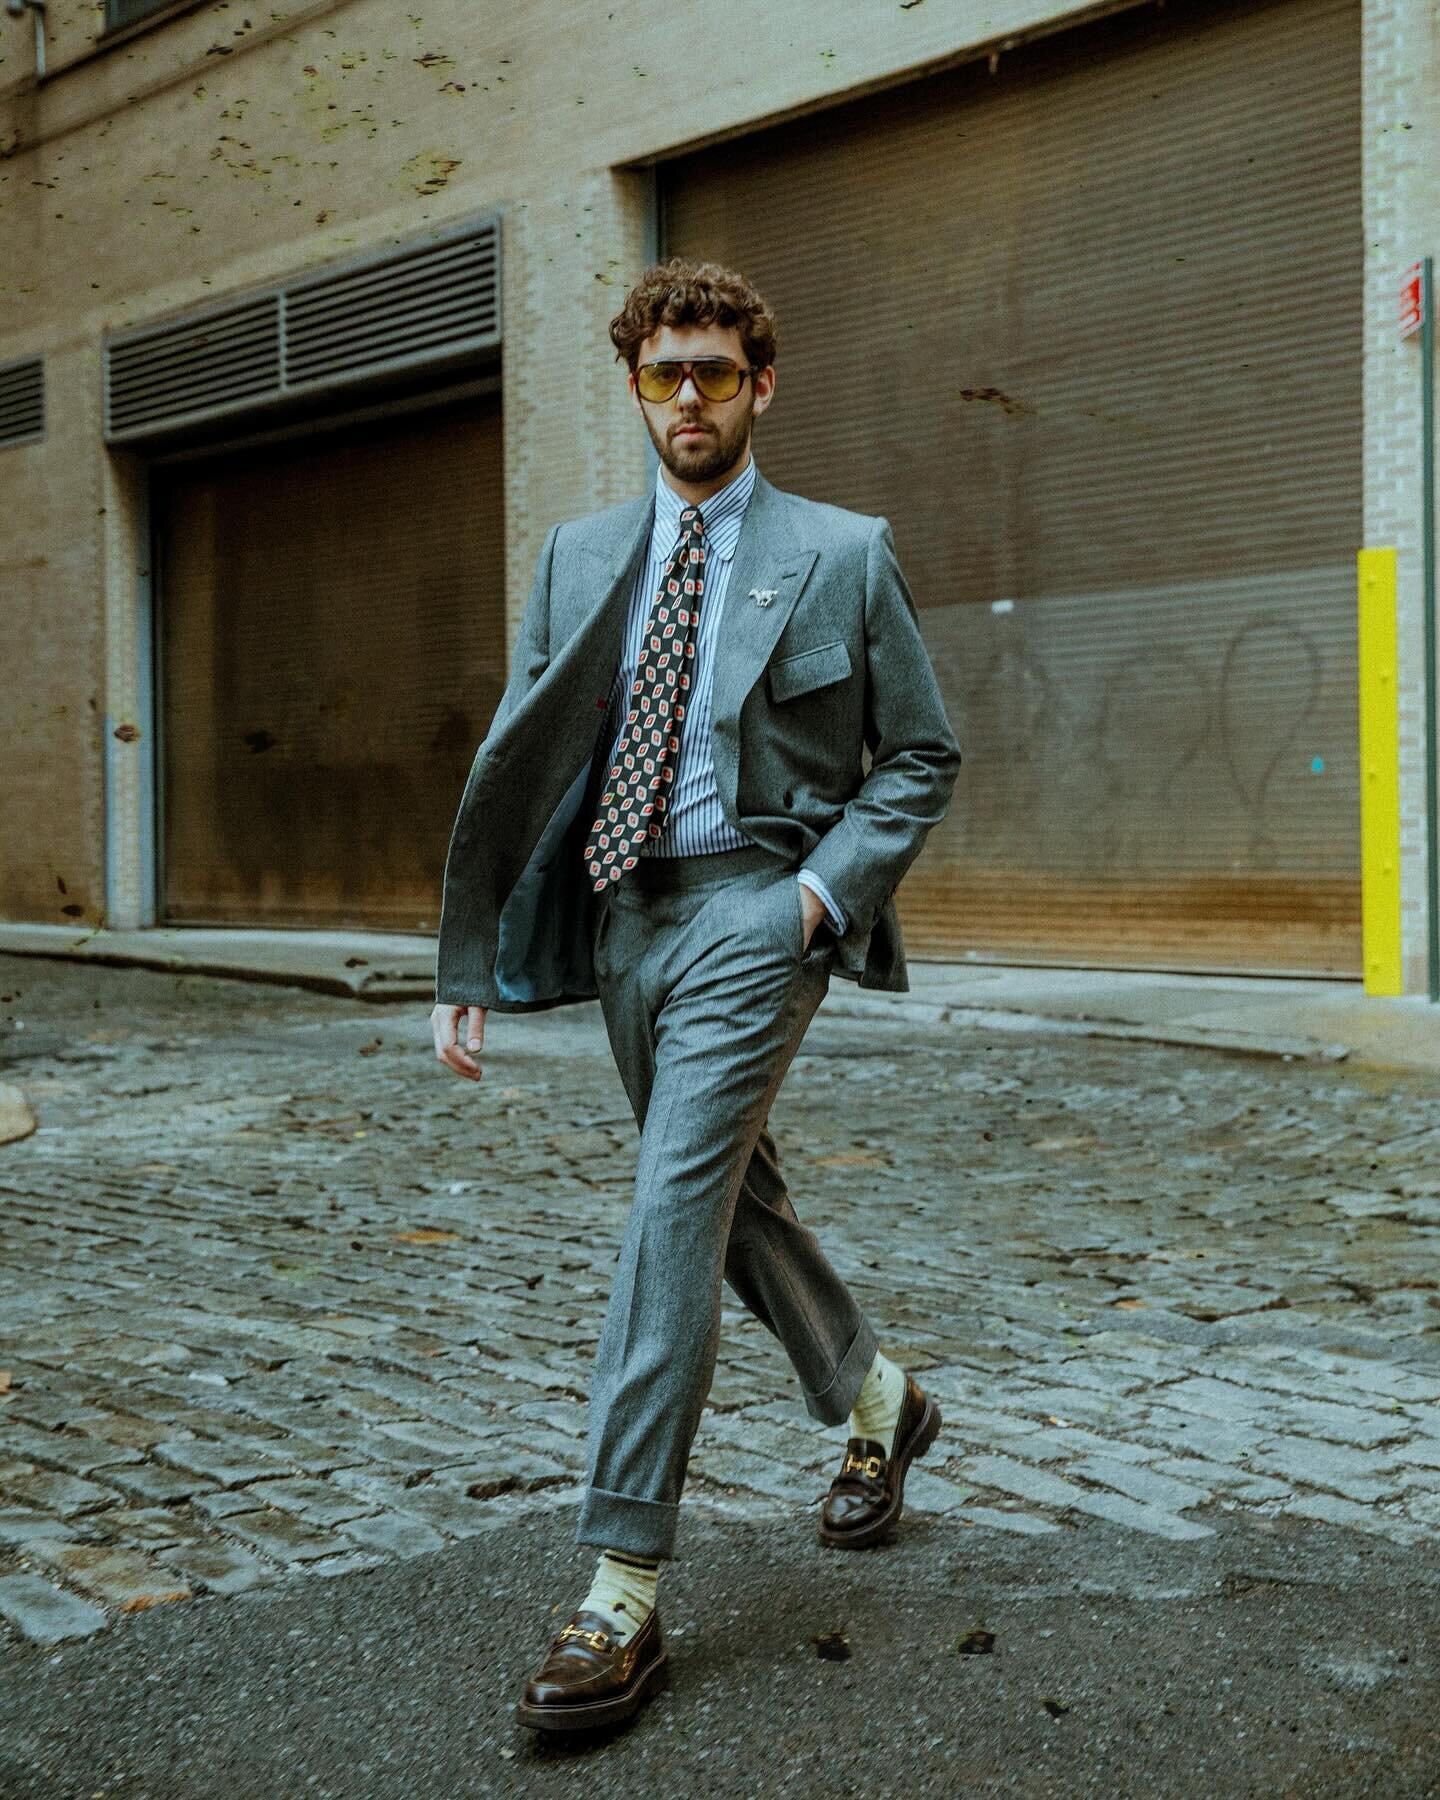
692	431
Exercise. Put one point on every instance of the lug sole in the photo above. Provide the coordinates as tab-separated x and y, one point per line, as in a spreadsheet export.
589	1715
927	1429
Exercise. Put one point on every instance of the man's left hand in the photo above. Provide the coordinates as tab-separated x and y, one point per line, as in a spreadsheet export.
813	908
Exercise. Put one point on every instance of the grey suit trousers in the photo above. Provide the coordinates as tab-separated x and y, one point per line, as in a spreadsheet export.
706	990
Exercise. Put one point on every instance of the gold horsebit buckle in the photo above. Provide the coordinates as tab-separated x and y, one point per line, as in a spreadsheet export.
865	1465
597	1640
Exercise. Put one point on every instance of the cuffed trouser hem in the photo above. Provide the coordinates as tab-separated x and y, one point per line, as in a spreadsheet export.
837	1401
621	1522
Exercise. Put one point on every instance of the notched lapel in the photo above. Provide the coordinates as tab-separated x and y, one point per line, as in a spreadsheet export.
768	558
599	580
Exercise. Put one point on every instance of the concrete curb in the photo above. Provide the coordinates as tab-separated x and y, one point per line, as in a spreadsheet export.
1288	1018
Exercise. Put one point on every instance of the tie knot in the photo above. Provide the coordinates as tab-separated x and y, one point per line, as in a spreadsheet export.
691	524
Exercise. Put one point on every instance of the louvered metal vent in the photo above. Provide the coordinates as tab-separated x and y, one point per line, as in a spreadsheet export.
437	302
22	401
225	361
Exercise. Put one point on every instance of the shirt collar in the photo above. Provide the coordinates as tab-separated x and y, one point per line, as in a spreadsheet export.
723	513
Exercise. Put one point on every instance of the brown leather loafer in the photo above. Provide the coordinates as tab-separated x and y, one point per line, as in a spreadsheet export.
866	1497
588	1680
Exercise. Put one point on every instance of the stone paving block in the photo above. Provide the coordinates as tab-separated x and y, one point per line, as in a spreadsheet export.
1119	1509
1333	1468
348	1564
1054	1443
1338	1511
50	1412
1222	1477
315	1501
159	1485
433	1444
53	1449
1422	1451
229	1465
394	1534
564	1418
1193	1434
144	1525
385	1486
127	1432
452	1511
928	1492
1020	1479
517	1470
23	1525
1040	1403
1375	1377
46	1614
220	1503
118	1577
983	1425
220	1568
1342	1424
998	1519
1141	1483
1224	1401
1424	1506
277	1534
313	1456
62	1495
1102	1374
729	1467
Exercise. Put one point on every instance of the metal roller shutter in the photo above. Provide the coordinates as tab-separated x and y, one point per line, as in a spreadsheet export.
332	624
1087	330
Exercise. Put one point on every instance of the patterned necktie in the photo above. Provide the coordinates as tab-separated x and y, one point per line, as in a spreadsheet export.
632	807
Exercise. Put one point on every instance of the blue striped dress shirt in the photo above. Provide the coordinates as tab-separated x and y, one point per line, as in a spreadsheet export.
695	823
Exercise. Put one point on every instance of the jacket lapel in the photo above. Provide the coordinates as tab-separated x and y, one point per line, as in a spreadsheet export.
591	606
594	603
769	559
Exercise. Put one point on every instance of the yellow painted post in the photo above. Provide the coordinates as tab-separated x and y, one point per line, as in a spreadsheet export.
1379	774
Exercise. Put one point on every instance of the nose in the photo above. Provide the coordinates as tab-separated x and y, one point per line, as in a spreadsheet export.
688	380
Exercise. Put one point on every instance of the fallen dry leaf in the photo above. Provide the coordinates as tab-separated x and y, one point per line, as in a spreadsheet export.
141	1602
426	1237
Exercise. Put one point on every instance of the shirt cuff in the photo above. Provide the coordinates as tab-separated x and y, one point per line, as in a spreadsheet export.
817	886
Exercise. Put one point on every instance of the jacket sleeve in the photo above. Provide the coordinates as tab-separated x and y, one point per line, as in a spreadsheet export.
461	959
531	656
915	757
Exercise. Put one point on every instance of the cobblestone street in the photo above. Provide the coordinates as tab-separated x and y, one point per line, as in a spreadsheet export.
282	1298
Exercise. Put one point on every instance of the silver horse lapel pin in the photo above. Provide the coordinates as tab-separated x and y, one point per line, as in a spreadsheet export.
763	596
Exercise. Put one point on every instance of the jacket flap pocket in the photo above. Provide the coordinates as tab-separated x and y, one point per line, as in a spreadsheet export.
808	669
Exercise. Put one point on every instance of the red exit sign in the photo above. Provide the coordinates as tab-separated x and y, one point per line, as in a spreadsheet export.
1412	302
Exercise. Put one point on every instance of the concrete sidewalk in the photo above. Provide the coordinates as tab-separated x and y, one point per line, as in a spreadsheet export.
1293	1017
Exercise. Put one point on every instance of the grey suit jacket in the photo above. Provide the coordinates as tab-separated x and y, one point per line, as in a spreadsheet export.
833	666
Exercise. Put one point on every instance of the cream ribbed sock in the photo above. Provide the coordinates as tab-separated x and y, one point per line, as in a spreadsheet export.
624	1590
877	1405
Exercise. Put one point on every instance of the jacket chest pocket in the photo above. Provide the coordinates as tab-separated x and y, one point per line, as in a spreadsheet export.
806	670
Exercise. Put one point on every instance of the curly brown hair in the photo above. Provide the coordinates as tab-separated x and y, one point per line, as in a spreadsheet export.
682	292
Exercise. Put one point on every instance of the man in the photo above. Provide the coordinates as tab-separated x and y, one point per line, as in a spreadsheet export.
671	812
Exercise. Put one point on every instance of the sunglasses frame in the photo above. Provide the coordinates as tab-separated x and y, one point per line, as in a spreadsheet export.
688	367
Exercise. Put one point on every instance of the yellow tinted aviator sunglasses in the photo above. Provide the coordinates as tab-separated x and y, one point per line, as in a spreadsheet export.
717	378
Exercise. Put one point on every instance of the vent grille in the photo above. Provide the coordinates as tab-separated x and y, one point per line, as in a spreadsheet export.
22	401
180	371
438	302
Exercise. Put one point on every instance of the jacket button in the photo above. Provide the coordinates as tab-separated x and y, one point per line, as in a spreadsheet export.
788	797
